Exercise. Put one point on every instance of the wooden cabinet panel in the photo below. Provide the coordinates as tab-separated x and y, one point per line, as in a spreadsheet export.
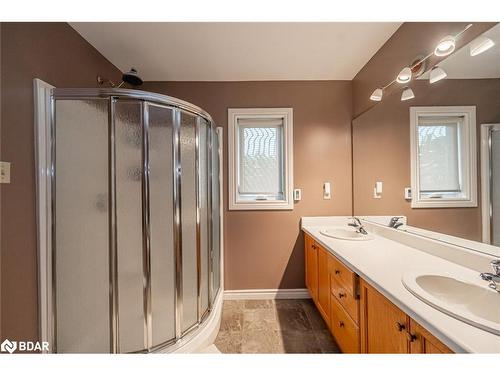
422	341
323	283
346	299
383	325
311	258
343	275
343	328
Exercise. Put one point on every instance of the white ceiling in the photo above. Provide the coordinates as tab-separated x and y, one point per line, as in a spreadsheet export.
238	51
461	65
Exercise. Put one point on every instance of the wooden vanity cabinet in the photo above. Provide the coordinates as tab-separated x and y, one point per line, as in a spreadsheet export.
311	260
383	325
323	302
424	342
360	318
387	329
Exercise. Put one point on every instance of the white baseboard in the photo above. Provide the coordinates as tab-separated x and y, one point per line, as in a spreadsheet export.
266	294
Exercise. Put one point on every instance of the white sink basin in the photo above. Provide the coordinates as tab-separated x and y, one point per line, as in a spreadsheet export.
464	299
345	234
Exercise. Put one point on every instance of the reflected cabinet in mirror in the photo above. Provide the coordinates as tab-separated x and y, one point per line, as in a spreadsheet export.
430	148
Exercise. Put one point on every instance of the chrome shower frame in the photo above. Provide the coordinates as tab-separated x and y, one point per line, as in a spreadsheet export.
177	106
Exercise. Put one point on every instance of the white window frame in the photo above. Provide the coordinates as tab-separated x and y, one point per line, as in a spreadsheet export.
469	158
258	113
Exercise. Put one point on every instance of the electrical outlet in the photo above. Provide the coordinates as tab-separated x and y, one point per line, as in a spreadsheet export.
4	172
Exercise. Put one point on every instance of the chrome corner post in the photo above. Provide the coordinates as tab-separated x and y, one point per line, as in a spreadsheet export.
113	236
210	241
176	142
146	228
52	262
198	218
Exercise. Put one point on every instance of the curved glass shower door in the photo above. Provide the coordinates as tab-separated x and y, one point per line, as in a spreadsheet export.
135	220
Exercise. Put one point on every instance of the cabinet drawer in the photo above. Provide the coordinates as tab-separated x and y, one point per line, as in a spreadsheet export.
343	328
346	299
343	276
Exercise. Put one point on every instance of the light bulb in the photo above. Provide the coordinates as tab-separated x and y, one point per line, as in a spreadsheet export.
445	46
404	76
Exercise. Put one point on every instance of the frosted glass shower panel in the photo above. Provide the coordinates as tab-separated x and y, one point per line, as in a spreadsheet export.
188	218
129	211
82	227
161	223
203	181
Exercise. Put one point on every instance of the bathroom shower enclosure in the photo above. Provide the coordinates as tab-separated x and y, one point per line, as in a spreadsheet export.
129	220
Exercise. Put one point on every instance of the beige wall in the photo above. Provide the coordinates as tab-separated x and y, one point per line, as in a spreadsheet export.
381	149
264	249
55	53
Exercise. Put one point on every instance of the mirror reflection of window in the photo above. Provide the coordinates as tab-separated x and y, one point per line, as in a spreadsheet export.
440	148
443	156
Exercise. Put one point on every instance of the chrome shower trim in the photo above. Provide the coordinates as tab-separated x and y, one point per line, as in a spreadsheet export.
113	235
92	93
177	221
146	232
53	343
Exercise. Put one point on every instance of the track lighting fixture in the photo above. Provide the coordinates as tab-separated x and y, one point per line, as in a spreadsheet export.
445	46
377	95
480	45
407	94
404	75
437	74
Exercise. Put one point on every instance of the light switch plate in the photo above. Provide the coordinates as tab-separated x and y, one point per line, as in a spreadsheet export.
407	193
297	194
327	192
4	172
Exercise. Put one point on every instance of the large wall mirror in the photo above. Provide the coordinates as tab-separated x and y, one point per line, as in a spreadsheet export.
436	148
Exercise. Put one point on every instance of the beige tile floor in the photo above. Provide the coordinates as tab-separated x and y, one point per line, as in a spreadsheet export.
273	326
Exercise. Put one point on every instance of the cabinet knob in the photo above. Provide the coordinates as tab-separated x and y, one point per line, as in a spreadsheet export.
410	336
337	272
400	326
341	324
342	295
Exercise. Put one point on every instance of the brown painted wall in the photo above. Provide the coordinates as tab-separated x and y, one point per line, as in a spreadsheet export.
381	139
411	40
264	249
57	54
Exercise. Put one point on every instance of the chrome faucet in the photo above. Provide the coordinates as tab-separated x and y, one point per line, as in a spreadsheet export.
395	223
493	278
356	223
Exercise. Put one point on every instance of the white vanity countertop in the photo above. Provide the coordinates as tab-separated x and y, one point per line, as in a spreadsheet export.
382	263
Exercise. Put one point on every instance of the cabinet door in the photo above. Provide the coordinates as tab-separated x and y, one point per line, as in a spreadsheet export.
383	325
422	341
311	258
323	284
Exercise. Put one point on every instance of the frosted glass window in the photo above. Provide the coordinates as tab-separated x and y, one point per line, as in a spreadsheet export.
260	158
439	156
261	162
